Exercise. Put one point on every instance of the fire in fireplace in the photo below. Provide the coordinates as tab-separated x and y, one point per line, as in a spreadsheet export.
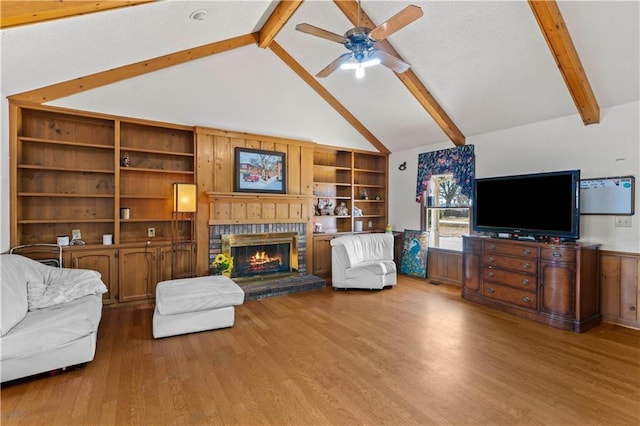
260	255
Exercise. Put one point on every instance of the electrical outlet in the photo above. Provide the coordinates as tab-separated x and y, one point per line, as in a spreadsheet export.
623	221
151	232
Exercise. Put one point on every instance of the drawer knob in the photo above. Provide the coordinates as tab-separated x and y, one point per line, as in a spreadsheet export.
492	259
556	254
492	290
526	299
526	251
525	281
492	247
491	274
526	266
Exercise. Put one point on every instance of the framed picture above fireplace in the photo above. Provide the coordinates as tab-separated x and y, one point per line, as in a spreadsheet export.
259	171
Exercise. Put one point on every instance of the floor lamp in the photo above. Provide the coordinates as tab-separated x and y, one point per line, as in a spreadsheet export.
185	201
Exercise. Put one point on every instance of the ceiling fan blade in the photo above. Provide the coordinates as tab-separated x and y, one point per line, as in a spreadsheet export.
319	32
334	65
396	22
390	61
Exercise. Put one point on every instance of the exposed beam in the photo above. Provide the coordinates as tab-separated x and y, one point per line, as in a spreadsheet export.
564	52
324	93
77	85
20	12
277	20
408	78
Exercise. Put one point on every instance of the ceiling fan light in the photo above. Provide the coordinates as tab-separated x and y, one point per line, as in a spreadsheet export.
352	65
360	72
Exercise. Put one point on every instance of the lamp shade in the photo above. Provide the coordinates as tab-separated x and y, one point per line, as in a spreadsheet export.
185	198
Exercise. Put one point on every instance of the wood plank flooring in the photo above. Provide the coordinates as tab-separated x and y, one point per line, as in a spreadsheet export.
414	354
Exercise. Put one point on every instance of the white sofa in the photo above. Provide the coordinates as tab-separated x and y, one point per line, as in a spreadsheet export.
49	316
363	261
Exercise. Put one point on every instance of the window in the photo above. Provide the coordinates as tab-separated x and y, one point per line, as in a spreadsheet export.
445	213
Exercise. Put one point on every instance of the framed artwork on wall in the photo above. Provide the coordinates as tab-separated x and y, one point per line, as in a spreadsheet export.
414	253
256	170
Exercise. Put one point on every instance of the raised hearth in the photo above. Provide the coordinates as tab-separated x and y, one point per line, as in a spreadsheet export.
261	289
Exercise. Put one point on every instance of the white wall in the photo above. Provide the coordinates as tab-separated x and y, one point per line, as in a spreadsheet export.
610	148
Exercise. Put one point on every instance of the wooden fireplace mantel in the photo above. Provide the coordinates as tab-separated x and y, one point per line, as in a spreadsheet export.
240	208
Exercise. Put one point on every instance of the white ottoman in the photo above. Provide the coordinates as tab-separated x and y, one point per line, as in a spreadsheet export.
195	304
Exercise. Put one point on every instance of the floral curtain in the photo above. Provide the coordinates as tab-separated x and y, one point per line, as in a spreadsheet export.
459	161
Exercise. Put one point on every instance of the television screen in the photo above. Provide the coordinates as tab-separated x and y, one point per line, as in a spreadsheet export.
537	205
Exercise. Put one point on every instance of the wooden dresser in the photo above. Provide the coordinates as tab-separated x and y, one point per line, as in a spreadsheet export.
556	284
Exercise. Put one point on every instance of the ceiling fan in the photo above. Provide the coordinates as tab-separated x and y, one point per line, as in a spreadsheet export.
361	42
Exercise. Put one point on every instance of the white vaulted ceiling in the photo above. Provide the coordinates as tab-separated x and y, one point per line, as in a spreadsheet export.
486	64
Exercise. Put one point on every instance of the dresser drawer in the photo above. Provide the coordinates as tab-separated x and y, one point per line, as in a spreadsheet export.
513	263
510	295
511	249
514	279
558	254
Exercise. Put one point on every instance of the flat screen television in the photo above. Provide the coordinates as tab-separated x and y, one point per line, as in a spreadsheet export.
531	206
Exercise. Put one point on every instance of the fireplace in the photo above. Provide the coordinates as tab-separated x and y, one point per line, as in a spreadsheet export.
264	255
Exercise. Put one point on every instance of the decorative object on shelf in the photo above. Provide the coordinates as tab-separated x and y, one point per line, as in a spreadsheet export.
403	166
259	171
365	196
185	202
325	207
107	239
387	229
126	160
378	197
222	265
76	238
125	213
317	228
63	240
357	211
414	253
357	226
341	209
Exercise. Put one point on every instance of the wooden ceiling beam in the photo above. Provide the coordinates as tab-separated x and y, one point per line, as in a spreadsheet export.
324	93
277	20
408	78
556	33
20	12
77	85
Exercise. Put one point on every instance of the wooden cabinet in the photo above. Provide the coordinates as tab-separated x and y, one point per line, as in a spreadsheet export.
355	178
101	260
322	256
152	158
556	284
137	272
65	177
370	190
359	180
76	171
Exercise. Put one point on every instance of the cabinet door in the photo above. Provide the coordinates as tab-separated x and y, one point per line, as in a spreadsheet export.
557	289
322	257
103	261
176	262
137	276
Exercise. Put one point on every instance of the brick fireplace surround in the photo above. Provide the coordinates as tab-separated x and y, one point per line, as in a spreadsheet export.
216	232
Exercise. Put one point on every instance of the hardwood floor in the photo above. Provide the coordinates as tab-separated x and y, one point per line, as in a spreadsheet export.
415	354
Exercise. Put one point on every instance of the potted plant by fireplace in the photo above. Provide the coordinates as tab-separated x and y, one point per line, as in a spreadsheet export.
222	265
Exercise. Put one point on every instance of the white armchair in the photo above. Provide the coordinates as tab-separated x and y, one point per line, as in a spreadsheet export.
363	261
